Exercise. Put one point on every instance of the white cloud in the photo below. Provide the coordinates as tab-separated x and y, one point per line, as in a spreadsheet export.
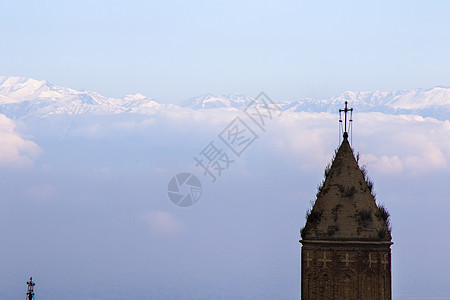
162	223
132	125
103	172
384	164
388	144
408	144
302	139
15	151
102	126
42	193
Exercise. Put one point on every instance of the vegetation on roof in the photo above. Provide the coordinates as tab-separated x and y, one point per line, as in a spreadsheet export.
383	214
312	217
365	217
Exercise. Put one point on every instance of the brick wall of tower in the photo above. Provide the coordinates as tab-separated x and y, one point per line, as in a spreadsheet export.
347	271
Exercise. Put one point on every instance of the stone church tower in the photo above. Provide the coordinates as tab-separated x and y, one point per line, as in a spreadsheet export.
346	241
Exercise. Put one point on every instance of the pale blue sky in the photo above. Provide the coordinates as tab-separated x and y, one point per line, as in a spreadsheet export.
87	202
174	50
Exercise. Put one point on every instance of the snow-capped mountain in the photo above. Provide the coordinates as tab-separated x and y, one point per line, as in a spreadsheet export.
217	101
23	98
433	102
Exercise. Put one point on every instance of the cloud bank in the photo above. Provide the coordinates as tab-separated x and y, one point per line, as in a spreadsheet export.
15	150
162	223
388	144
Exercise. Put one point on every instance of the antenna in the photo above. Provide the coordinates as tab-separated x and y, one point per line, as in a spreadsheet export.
30	292
349	122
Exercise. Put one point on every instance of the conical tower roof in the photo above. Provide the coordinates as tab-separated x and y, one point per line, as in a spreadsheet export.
345	209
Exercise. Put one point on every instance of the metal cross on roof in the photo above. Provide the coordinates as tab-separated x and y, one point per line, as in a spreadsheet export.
30	291
345	111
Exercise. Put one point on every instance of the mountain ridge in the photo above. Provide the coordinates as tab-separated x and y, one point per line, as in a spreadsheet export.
23	98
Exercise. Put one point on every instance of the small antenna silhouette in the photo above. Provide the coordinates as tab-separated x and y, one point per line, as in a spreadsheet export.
30	292
349	121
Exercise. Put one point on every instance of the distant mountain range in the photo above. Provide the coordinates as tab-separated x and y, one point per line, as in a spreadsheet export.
23	98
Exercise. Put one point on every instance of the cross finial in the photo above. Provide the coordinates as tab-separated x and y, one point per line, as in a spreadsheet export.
30	291
345	111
